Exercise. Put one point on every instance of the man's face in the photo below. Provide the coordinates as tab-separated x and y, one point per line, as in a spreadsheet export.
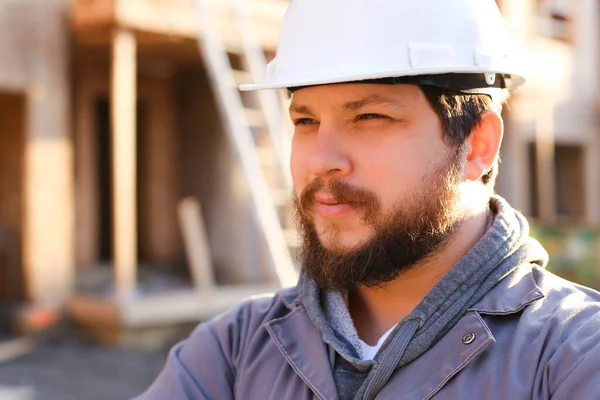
376	186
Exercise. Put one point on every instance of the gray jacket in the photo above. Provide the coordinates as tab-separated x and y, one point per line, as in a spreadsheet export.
531	335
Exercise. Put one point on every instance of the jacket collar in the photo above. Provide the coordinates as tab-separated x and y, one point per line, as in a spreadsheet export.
304	350
290	296
512	294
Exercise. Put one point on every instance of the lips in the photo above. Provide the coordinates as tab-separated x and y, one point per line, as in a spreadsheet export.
327	200
329	207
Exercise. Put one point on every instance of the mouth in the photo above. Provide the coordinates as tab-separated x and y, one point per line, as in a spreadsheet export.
327	200
329	207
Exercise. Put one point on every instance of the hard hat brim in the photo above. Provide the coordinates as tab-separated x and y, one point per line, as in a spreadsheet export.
512	80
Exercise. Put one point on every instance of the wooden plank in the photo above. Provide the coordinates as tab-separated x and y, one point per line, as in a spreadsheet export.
123	105
196	244
187	305
89	310
160	309
15	348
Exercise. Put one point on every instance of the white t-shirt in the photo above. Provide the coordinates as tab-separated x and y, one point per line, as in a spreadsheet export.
367	352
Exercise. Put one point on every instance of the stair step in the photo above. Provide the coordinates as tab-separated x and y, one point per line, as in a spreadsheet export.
281	197
242	77
231	55
255	118
267	156
292	238
234	47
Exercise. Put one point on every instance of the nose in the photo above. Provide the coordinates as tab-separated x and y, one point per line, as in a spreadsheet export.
329	157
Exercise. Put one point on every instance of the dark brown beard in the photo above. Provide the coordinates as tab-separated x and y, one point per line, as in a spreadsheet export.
408	234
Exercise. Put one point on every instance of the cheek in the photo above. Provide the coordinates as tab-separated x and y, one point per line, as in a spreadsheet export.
298	165
391	170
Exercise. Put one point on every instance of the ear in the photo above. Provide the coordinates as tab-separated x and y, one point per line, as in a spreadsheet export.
484	144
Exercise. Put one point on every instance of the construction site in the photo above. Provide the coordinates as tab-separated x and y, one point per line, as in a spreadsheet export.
141	192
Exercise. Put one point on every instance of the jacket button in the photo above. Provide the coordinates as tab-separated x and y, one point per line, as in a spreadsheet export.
468	338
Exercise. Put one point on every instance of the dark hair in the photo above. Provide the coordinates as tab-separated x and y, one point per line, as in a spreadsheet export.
460	114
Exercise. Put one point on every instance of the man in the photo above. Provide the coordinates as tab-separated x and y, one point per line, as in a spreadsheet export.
417	281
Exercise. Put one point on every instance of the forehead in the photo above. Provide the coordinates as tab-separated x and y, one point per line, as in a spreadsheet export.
353	96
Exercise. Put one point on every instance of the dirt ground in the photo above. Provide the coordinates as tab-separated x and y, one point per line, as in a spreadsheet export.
71	369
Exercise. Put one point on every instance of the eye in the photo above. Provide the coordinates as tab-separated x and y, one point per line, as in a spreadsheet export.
304	121
370	116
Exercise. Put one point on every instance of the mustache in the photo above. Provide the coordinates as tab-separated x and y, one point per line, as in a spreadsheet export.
344	193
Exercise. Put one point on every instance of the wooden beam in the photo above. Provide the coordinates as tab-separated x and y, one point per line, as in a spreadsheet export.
85	13
196	244
123	99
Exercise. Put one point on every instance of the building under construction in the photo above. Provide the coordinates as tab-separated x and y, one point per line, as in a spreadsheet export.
111	117
119	117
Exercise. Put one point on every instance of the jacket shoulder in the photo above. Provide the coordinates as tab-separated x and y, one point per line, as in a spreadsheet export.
565	306
258	309
562	295
568	334
236	328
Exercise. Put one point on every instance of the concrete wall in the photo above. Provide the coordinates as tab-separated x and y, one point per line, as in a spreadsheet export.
17	44
34	56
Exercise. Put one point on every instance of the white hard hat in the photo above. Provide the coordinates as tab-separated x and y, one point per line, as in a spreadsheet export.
461	43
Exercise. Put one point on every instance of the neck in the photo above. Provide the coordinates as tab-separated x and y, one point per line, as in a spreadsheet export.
375	310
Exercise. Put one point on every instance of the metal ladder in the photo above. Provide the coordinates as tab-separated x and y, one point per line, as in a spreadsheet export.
254	125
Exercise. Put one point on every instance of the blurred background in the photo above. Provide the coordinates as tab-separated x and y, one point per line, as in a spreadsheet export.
141	192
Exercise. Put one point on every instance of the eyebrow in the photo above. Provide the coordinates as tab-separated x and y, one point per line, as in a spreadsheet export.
300	109
371	101
353	105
